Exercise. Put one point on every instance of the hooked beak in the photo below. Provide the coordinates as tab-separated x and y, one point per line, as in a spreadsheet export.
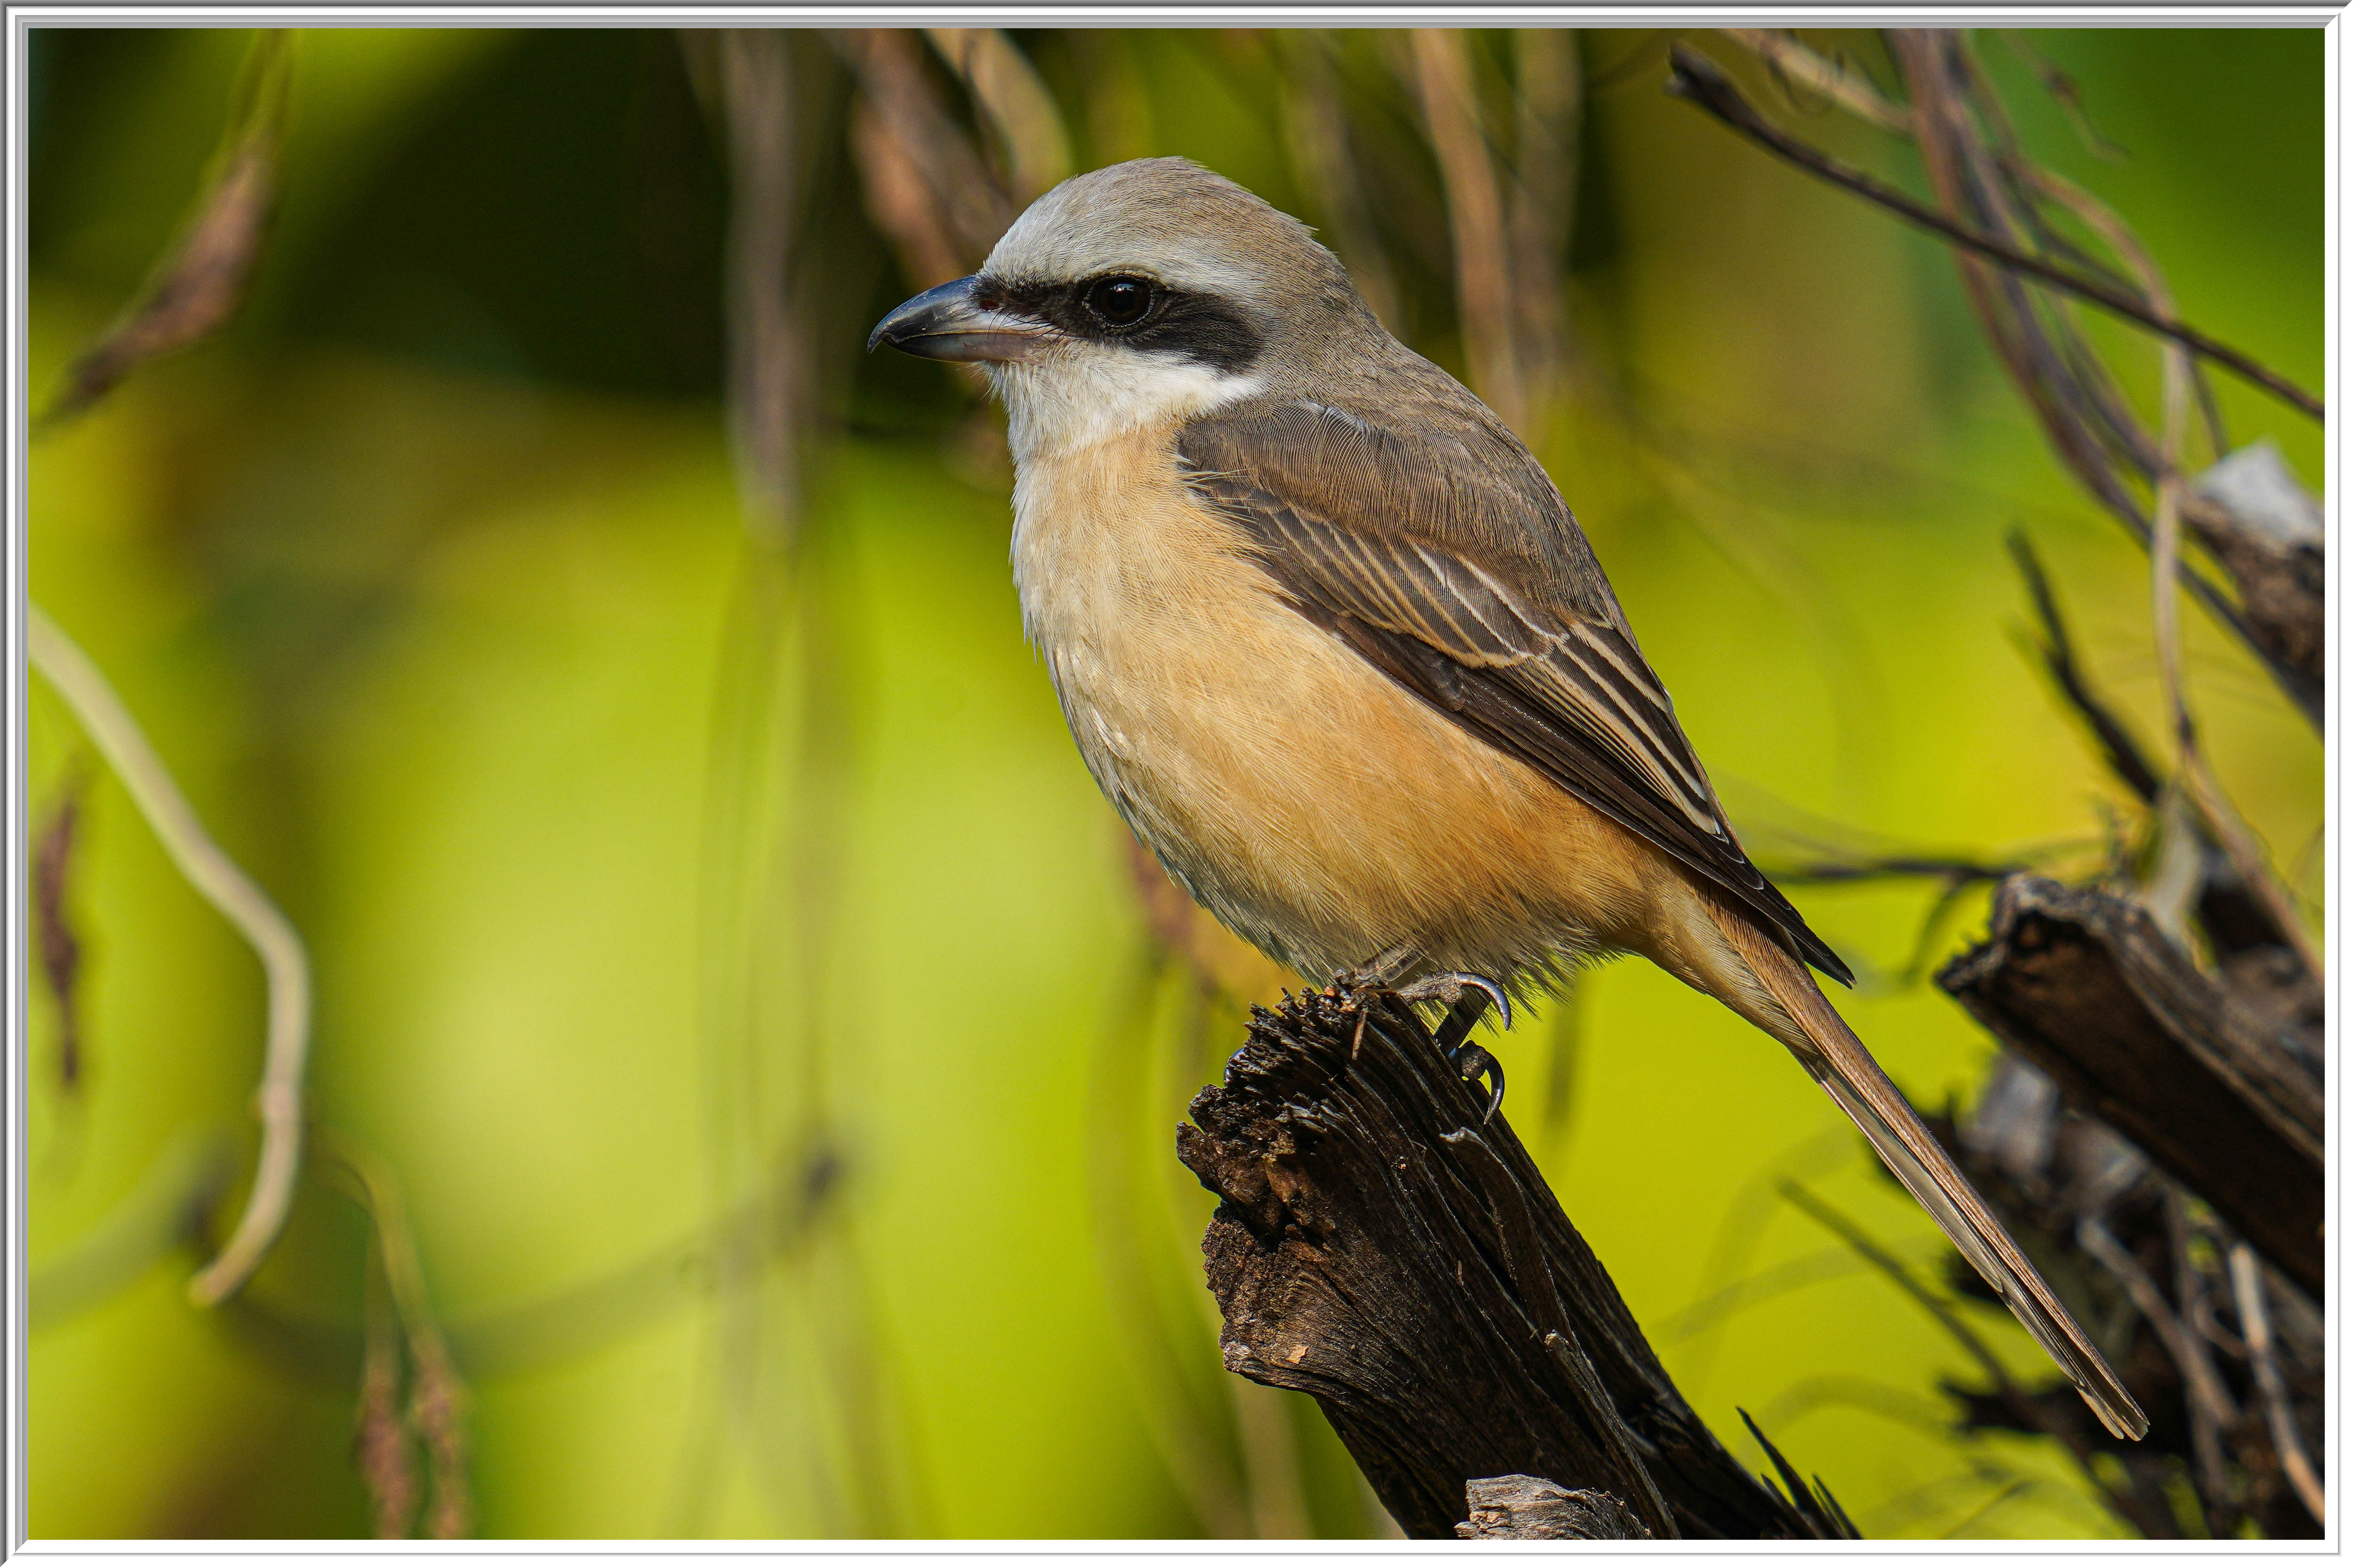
952	323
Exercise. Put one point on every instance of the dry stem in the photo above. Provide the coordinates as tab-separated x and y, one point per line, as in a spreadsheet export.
2246	1281
225	885
1474	211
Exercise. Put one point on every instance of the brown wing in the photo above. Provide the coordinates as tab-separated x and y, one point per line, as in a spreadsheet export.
1457	571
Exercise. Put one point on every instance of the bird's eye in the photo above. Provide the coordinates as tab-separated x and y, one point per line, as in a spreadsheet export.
1119	301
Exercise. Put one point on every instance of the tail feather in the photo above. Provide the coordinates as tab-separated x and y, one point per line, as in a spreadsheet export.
1840	1063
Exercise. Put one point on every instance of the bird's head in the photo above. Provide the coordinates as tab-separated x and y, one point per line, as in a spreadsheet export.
1146	293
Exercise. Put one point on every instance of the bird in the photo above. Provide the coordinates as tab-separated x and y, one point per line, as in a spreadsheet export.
1334	647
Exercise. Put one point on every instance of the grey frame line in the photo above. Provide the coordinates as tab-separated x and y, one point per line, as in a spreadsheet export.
14	1519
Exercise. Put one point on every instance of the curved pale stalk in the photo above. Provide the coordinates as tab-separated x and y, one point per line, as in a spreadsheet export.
225	887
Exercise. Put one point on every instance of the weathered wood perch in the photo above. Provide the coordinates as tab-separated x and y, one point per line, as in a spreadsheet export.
1529	1508
2219	1085
1380	1248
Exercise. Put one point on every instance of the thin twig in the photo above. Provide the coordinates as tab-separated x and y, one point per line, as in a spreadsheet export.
1698	79
225	887
1872	868
2205	1387
2125	757
2205	1423
2247	1283
2102	217
1856	94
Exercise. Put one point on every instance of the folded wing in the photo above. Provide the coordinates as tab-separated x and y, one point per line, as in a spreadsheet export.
1449	562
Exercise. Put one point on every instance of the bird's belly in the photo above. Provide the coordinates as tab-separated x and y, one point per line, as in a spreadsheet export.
1318	808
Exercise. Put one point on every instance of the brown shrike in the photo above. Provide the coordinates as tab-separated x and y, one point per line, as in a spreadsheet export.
1330	640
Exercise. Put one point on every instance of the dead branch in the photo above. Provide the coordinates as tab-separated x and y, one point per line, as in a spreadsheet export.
1380	1248
2249	510
2115	1234
2084	985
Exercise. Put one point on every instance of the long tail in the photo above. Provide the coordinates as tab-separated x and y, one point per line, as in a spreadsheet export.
1830	1051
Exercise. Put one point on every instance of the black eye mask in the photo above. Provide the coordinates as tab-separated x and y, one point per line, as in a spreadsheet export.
1139	311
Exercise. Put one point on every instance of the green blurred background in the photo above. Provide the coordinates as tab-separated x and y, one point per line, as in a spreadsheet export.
726	950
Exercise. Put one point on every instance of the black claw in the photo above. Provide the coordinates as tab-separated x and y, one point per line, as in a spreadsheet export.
1474	1062
1462	1014
1496	993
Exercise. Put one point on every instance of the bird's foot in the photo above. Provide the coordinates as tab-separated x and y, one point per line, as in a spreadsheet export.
1466	997
1353	988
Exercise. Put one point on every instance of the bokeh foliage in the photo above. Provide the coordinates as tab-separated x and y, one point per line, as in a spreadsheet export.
427	578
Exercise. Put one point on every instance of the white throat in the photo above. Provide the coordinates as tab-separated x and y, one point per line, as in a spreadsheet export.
1078	395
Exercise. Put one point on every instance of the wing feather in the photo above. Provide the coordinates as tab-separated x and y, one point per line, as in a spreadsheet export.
1457	571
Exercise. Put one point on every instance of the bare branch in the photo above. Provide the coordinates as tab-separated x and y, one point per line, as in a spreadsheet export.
2083	985
1698	79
